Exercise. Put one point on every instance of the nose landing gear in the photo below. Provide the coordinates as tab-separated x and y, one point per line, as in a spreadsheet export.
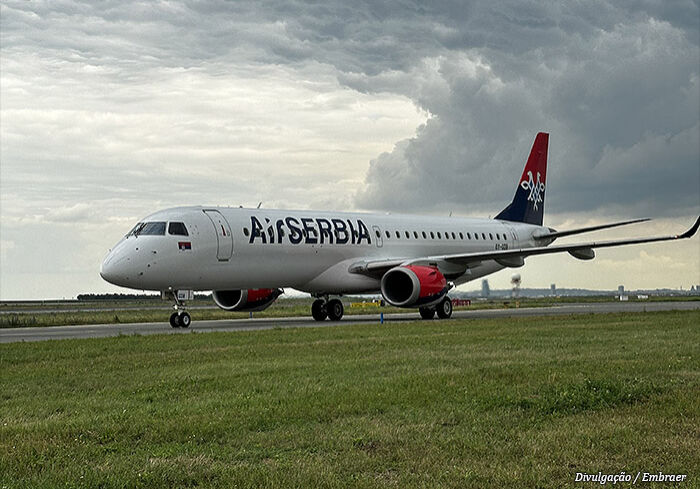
180	318
323	308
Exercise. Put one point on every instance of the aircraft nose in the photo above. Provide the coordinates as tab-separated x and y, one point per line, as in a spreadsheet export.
115	267
108	270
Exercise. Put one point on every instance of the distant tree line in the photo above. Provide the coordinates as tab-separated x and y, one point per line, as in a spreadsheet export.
128	297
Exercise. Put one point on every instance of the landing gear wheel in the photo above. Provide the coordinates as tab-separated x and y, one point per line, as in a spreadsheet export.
174	320
335	310
444	309
184	320
426	312
318	310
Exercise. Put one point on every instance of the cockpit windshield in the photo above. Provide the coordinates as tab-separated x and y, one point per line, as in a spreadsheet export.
148	229
134	229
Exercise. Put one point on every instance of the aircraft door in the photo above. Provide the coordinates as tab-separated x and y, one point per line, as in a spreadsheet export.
224	238
378	236
512	236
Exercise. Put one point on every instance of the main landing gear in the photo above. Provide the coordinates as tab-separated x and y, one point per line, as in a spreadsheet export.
323	308
443	309
180	318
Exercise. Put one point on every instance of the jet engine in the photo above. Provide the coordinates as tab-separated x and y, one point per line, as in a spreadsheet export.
413	286
245	300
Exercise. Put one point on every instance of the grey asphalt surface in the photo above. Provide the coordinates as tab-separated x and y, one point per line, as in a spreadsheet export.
12	335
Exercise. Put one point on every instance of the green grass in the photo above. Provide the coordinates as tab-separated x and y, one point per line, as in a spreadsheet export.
522	402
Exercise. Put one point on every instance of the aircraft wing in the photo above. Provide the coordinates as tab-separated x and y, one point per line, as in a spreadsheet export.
514	257
552	234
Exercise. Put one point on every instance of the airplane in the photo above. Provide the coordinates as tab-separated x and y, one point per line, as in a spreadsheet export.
246	257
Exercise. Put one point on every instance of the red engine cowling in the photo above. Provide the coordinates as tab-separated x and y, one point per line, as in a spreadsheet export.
413	286
245	300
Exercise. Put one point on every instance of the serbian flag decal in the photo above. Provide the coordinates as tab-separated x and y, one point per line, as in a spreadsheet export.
184	245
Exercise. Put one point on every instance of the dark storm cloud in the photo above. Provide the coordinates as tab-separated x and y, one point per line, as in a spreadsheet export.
604	83
615	83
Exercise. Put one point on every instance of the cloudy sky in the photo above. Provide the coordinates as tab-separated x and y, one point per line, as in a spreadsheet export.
110	110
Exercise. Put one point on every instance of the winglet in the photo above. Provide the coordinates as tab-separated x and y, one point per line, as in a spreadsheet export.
690	232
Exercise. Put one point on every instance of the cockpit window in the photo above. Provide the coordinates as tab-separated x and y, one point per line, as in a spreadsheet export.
177	228
150	229
134	230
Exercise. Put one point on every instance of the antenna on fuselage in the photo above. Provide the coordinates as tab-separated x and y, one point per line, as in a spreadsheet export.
259	204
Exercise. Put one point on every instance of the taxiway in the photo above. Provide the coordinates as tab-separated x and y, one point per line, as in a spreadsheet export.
11	335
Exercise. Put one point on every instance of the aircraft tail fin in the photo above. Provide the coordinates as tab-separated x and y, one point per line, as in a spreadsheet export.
528	203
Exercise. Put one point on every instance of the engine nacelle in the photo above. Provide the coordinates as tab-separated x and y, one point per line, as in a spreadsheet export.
245	300
413	286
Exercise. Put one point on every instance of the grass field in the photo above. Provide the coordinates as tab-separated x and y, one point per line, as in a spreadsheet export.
524	402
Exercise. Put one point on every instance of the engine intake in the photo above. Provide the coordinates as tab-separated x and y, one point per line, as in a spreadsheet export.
245	300
413	286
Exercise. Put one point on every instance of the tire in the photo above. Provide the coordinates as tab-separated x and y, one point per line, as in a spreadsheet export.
185	320
174	320
444	309
426	312
335	310
318	310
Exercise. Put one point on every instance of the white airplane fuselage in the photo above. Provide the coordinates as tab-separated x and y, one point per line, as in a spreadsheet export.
310	251
246	256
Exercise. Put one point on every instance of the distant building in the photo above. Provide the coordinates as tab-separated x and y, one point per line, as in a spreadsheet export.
553	290
620	290
485	290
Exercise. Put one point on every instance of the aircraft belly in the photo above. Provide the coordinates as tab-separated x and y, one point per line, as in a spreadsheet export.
337	279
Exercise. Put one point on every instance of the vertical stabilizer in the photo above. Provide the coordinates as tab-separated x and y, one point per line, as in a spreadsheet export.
528	203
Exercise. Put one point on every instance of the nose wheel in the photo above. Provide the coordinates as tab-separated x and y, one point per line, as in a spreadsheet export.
180	318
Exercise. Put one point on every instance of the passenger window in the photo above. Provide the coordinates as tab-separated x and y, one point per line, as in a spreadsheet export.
432	235
387	234
439	235
377	233
415	234
469	236
491	236
476	235
483	235
398	234
246	232
454	236
407	235
461	236
425	236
